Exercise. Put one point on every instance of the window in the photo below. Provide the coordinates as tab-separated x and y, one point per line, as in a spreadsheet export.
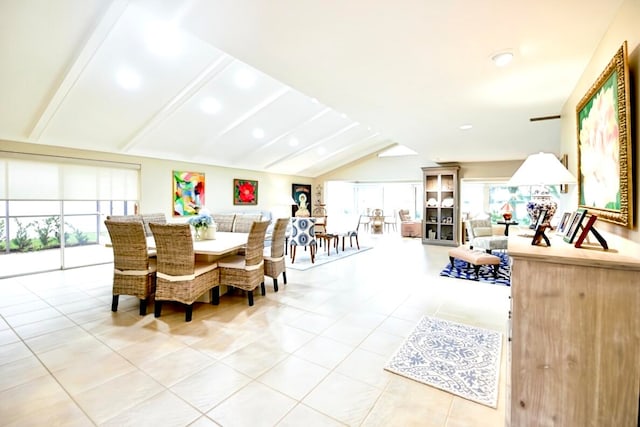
53	210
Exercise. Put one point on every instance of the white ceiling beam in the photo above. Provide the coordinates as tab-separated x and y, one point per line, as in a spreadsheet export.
88	51
313	145
287	133
253	111
211	72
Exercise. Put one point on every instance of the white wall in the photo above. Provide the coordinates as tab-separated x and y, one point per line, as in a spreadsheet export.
156	191
623	27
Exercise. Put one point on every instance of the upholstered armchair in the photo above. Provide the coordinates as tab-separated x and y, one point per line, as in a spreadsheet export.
409	227
481	235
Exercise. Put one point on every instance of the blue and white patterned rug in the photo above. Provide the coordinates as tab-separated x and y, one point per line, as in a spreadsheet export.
462	270
460	359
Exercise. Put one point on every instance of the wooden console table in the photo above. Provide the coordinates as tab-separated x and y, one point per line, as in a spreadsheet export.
574	345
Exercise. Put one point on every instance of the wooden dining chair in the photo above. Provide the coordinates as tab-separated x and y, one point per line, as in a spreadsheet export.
274	256
303	234
134	272
180	277
246	271
352	233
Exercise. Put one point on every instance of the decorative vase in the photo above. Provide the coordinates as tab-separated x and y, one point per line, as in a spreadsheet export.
506	211
211	232
539	202
199	234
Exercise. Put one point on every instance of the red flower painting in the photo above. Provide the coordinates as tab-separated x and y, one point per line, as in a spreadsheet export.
245	192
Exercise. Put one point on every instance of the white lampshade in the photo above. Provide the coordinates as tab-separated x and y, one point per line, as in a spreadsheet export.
541	169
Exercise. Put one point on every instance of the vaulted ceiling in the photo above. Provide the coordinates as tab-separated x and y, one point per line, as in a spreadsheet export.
292	86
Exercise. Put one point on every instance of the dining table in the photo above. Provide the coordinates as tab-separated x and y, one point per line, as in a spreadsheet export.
225	243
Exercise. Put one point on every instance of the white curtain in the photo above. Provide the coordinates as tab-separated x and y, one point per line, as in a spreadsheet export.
26	177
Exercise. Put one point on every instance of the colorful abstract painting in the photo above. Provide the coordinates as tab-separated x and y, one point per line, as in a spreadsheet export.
245	192
188	193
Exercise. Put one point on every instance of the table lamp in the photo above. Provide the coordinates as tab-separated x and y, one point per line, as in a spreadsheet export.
539	171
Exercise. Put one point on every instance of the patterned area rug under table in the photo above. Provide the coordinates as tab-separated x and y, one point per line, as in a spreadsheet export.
460	359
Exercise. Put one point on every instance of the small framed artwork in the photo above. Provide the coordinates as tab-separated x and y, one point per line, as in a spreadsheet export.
245	192
539	235
562	225
588	227
188	193
301	194
540	227
574	226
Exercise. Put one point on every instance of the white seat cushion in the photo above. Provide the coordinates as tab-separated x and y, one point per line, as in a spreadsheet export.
233	261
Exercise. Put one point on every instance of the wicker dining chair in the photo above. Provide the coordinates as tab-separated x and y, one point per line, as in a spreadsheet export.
125	218
246	271
180	277
134	272
274	255
147	219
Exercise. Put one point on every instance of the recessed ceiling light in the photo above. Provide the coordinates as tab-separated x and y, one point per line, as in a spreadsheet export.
210	106
245	78
466	127
258	133
315	100
502	58
294	142
128	78
343	115
321	150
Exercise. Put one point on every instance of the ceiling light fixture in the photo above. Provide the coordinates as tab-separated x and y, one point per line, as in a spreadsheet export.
466	126
293	142
258	133
321	151
210	106
502	58
128	78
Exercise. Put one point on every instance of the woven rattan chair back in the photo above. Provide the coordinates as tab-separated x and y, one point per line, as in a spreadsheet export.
174	245
254	252
246	272
242	223
133	274
277	238
125	218
147	219
129	245
274	265
180	277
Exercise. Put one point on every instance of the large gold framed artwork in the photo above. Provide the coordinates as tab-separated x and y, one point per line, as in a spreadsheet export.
605	182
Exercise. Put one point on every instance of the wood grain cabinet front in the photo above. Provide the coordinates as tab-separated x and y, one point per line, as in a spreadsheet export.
575	335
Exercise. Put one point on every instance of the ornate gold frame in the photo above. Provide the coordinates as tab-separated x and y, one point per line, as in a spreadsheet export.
613	82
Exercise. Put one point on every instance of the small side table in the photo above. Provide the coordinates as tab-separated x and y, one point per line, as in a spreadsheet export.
506	225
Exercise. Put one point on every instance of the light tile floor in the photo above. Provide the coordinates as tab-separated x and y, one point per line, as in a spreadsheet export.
311	354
